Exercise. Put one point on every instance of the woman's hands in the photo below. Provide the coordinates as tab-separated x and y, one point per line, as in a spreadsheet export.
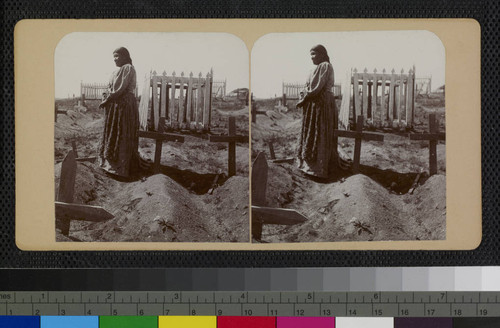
301	103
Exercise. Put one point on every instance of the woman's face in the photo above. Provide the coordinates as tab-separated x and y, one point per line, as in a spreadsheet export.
314	57
119	59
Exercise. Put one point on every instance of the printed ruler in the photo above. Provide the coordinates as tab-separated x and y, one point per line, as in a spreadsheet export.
243	303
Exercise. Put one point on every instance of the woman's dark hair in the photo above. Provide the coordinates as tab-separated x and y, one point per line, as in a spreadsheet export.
321	51
126	55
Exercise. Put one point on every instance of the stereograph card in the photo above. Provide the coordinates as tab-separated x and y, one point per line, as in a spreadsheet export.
250	134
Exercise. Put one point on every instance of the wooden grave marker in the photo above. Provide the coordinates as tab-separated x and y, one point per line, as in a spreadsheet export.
160	137
433	136
65	209
358	135
273	154
81	159
231	139
260	213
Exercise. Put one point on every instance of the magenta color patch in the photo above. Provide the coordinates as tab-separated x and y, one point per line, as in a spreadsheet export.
305	322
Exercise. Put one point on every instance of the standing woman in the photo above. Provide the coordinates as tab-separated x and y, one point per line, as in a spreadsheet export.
317	151
118	153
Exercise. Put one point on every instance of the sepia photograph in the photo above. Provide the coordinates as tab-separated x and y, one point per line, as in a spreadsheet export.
151	137
348	137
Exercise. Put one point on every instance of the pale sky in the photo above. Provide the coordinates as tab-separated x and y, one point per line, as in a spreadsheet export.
88	57
279	57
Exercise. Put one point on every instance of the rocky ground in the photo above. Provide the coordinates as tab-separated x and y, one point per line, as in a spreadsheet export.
176	205
373	205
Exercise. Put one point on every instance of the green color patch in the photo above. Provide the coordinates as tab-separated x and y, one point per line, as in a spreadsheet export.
128	322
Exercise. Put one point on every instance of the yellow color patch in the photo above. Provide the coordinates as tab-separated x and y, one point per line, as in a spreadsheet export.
187	322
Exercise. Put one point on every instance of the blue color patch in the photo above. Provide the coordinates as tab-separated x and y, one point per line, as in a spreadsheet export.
69	321
20	321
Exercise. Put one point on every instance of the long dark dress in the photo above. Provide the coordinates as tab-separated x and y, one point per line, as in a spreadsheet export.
118	153
317	152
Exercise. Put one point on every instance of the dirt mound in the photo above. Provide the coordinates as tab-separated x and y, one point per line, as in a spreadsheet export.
156	208
358	209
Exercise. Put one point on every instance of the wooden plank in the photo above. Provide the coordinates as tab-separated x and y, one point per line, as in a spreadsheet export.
67	178
428	136
144	104
182	114
161	136
271	149
392	92
364	110
217	138
155	112
401	98
409	99
189	95
81	212
259	187
374	113
289	160
356	99
87	159
366	136
357	144
433	127
259	180
172	110
66	187
206	105
199	103
163	96
269	215
383	110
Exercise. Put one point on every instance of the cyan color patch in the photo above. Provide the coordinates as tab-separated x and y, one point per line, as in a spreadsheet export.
69	321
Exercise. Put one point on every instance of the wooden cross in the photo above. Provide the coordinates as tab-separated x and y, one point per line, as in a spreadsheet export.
160	137
289	160
81	159
433	136
260	213
65	209
358	135
59	111
231	139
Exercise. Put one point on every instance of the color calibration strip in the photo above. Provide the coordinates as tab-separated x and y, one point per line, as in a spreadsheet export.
241	322
256	279
242	303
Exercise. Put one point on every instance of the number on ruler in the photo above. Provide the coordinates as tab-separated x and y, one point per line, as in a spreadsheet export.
327	312
378	312
219	312
457	312
193	312
352	312
167	311
37	312
405	312
300	312
431	311
483	312
115	312
248	312
274	312
141	312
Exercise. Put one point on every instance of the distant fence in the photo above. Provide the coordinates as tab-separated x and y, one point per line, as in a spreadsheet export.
219	89
423	85
385	100
293	90
183	102
92	91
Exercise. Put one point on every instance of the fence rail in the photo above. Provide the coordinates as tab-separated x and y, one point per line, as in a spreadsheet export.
184	102
219	89
293	90
92	91
385	100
